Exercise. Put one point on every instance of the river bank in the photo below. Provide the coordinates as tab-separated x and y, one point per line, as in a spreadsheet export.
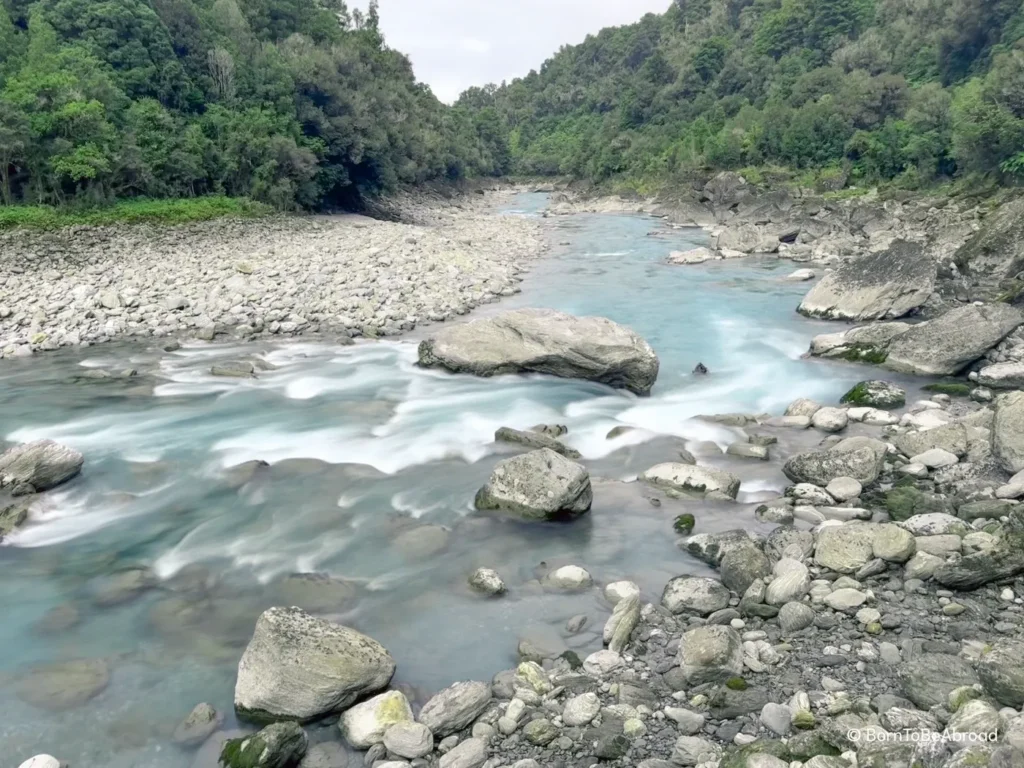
335	276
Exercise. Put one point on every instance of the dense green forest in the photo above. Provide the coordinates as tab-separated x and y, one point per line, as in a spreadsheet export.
905	90
296	103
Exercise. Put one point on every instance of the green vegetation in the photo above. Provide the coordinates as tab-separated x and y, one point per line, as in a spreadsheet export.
951	388
244	752
862	353
736	684
292	103
834	92
130	212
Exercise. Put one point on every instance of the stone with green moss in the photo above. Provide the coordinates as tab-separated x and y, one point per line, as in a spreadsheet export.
876	394
803	719
280	745
951	388
960	696
737	758
863	353
808	744
684	524
736	684
904	502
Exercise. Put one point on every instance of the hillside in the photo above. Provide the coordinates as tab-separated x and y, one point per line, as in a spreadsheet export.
913	90
290	102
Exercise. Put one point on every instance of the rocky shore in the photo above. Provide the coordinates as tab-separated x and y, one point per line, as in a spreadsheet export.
340	275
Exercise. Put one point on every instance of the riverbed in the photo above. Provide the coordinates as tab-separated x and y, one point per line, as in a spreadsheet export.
369	466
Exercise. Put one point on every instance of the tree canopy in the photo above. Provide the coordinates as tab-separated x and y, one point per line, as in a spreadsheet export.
297	103
912	90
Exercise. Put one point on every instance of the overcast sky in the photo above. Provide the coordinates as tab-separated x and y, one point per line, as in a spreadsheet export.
455	44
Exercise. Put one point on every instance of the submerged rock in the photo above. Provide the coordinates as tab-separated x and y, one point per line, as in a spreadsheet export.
201	722
64	684
280	745
42	465
545	341
297	667
691	479
540	485
883	285
534	440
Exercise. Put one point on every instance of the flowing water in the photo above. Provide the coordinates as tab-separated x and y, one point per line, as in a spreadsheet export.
373	464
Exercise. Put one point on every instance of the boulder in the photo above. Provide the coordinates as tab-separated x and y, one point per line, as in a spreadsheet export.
865	343
454	708
712	548
409	740
861	458
365	724
548	342
1002	376
298	667
1008	431
882	285
692	256
63	685
695	594
742	567
487	581
201	722
41	465
830	419
540	485
471	753
845	548
929	678
951	438
792	581
280	745
691	479
876	394
893	544
534	441
1002	673
994	257
710	654
726	190
949	343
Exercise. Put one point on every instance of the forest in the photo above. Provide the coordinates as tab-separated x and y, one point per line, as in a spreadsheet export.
295	103
911	92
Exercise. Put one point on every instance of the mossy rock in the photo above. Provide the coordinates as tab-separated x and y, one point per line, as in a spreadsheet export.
684	524
736	684
951	388
737	758
573	658
876	394
807	744
905	502
804	720
863	353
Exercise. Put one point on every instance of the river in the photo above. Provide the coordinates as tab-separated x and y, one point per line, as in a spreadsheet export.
373	467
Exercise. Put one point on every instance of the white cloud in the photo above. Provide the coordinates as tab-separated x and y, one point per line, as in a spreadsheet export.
455	44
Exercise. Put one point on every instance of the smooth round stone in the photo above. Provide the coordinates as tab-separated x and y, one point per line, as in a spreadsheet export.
41	761
409	740
487	581
844	488
570	577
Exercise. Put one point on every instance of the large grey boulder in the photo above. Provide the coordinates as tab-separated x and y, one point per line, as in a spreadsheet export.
298	667
845	548
42	464
695	594
545	341
947	437
710	654
866	342
1002	672
1002	376
929	678
1008	431
993	258
949	343
540	485
883	285
454	708
687	478
861	458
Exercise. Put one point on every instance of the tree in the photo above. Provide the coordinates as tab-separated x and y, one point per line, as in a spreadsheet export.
14	139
